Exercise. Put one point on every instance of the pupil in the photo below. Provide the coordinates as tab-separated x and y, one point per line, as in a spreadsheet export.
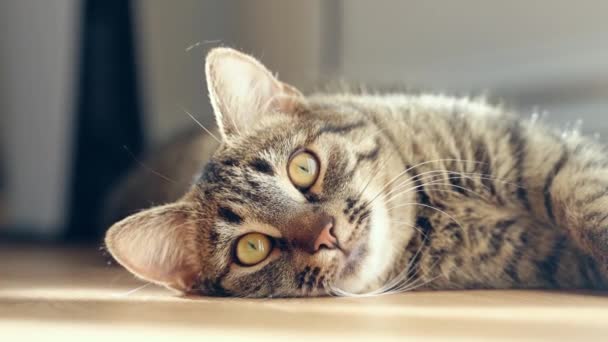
251	245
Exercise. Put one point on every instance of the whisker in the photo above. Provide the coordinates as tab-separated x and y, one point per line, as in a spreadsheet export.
372	175
402	277
452	175
407	284
201	125
421	186
429	174
430	207
405	273
197	44
418	165
413	286
426	186
130	292
409	225
400	186
147	168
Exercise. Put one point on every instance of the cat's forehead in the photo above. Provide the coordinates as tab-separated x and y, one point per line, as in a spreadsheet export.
267	142
242	174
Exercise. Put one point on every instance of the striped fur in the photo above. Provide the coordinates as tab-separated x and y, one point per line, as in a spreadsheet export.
428	192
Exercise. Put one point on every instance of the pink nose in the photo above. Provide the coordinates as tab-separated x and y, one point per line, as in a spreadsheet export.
326	238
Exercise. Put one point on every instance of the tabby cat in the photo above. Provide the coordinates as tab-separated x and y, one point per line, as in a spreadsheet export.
343	194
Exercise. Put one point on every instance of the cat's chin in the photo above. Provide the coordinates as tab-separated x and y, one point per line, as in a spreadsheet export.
370	258
350	278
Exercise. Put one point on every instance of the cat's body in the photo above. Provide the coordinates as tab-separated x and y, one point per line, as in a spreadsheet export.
420	192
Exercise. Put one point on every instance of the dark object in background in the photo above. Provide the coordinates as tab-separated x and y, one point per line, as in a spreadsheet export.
108	112
3	185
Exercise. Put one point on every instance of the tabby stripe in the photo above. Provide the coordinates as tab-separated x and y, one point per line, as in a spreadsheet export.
339	129
423	197
350	203
595	273
272	285
387	133
371	155
252	183
519	153
472	234
596	216
596	164
212	173
230	162
482	155
497	238
550	265
312	198
213	237
426	227
229	216
262	166
234	200
456	182
301	277
312	278
594	196
549	183
413	269
355	232
245	193
583	270
513	266
415	246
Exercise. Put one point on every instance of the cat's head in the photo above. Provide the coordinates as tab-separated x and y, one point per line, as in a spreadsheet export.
290	205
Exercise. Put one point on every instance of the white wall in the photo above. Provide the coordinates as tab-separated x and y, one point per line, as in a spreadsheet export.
549	54
37	71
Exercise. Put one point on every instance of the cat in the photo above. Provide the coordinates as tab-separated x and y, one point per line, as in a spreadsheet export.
369	194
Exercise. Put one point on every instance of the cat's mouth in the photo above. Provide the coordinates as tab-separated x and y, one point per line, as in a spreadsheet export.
341	248
352	259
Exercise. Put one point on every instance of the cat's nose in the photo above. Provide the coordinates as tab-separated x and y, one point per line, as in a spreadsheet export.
326	238
311	232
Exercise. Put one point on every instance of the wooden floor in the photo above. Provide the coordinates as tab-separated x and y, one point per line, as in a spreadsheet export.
64	294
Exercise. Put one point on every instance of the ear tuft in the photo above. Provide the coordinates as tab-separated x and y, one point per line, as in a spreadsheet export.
159	245
242	91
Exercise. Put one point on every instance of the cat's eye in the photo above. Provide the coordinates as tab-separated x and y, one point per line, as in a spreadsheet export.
253	248
303	169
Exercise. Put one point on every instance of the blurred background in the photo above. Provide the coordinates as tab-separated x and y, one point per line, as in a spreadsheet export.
86	85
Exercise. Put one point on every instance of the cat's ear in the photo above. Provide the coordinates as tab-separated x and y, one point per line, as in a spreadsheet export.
158	245
242	91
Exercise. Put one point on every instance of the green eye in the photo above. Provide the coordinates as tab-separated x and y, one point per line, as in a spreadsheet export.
253	248
303	169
